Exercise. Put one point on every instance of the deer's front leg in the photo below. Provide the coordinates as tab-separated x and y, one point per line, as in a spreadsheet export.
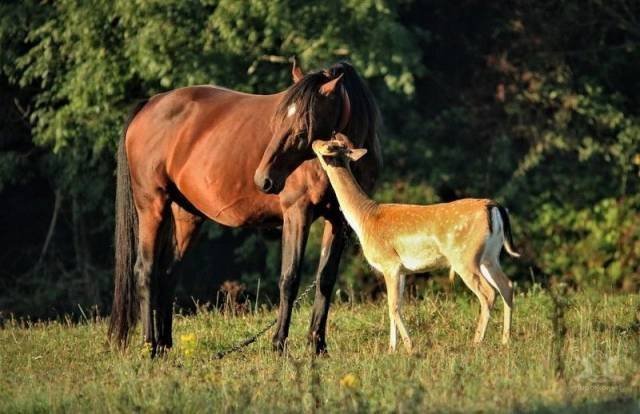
393	332
395	285
295	230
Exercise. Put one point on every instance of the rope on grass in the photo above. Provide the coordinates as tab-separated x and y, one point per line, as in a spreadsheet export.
241	345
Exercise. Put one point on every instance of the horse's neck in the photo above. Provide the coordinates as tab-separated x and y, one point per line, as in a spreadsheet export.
367	169
354	203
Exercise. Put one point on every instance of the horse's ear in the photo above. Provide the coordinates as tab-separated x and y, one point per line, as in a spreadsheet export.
329	87
356	153
296	72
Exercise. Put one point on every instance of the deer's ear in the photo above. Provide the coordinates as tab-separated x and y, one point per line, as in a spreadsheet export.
356	153
296	72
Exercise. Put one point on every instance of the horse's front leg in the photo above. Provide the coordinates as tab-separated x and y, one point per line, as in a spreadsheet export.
297	220
333	240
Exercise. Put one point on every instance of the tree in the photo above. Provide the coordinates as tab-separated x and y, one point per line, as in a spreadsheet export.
88	62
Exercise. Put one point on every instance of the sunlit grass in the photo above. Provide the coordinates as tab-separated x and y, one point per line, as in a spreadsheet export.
59	367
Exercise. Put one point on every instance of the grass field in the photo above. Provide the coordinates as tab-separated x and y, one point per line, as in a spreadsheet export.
61	367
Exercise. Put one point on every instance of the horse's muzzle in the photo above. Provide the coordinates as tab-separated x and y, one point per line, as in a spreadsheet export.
266	184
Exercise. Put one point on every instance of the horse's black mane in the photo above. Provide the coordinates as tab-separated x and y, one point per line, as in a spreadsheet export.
362	128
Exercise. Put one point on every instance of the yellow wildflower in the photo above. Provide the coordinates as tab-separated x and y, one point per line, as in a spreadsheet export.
349	381
145	350
188	343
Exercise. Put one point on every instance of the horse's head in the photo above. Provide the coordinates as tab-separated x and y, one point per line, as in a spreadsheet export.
315	107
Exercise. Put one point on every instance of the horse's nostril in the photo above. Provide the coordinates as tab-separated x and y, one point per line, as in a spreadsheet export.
267	185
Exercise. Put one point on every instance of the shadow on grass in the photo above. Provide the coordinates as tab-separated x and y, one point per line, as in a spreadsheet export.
629	329
622	404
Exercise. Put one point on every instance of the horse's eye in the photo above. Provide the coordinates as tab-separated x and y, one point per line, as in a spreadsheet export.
300	142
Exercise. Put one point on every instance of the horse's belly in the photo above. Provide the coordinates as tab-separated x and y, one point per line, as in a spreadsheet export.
233	205
225	193
245	211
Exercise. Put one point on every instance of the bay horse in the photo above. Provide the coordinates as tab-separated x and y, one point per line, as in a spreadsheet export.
239	159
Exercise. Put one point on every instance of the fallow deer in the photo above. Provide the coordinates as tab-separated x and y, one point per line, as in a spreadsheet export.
401	239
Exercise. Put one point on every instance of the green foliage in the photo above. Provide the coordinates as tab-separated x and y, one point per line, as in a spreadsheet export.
42	363
542	118
10	162
92	59
516	103
86	63
596	246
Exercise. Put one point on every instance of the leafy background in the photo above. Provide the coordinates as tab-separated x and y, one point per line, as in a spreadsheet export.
535	104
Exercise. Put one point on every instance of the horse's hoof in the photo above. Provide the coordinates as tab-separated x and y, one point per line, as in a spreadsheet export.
162	350
319	344
280	346
322	353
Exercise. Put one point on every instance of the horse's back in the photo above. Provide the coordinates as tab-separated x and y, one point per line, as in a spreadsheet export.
207	141
203	100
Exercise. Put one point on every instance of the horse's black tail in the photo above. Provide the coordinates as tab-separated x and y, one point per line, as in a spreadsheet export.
125	309
506	229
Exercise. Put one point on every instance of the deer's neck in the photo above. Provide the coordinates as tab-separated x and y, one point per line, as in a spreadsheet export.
354	202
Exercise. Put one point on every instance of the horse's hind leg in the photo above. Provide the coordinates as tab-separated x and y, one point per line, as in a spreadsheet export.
183	228
150	218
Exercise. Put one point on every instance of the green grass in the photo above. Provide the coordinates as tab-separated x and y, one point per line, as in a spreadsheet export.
62	367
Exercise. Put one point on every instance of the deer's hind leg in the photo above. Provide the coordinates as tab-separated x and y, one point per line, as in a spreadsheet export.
485	294
491	269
